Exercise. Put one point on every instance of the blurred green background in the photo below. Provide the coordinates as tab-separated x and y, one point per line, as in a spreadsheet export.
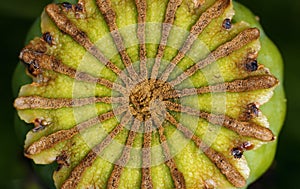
280	20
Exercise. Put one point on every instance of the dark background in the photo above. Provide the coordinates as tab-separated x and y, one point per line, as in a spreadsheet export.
280	20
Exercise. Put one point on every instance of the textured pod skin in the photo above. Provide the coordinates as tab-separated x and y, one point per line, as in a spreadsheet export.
271	59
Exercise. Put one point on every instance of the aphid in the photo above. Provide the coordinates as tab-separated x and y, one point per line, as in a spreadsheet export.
253	109
48	38
247	146
67	5
33	69
78	7
251	112
227	24
237	152
251	65
40	124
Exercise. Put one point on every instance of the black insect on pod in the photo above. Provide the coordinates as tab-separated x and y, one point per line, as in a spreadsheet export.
78	7
227	24
33	68
40	124
237	152
66	5
251	65
251	112
48	38
253	109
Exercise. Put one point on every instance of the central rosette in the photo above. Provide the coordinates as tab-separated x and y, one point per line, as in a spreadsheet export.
146	98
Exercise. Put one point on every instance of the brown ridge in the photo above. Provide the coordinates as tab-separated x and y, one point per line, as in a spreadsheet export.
177	176
198	3
37	102
114	179
110	18
142	12
226	168
38	45
241	85
146	150
77	172
242	39
43	61
51	140
65	25
204	20
248	129
166	28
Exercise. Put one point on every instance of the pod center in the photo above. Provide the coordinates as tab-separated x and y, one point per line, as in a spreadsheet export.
146	98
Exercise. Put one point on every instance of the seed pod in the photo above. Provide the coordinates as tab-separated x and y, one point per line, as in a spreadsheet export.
148	94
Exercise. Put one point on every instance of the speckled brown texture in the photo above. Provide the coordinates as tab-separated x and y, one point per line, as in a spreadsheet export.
145	93
141	34
48	62
63	135
213	12
34	102
65	25
78	171
242	128
224	50
110	17
146	156
241	85
166	28
177	176
114	179
221	162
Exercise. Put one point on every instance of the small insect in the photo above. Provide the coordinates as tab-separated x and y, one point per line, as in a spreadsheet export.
227	24
48	38
67	5
253	109
247	146
251	112
78	7
33	68
252	65
238	151
62	160
40	124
